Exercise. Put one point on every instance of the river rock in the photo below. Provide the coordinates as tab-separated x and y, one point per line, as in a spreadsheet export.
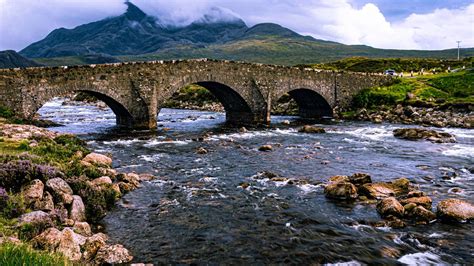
455	210
48	240
46	204
132	179
419	201
382	190
60	190
421	133
311	129
97	159
101	180
92	245
359	179
390	206
201	150
125	187
82	228
70	244
33	192
113	254
78	210
341	190
339	178
421	214
146	177
415	194
265	148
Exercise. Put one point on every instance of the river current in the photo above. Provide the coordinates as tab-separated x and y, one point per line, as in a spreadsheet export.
197	210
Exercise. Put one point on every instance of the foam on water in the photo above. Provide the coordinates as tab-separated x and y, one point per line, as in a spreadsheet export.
421	258
460	150
382	133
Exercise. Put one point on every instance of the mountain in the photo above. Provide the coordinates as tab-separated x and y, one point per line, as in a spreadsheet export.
11	59
132	33
136	36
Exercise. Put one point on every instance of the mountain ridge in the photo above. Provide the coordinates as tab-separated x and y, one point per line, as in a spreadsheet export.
136	36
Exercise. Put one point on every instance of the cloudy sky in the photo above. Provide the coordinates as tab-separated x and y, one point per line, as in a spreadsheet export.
401	24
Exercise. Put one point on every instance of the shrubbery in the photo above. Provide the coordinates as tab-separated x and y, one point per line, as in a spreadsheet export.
15	174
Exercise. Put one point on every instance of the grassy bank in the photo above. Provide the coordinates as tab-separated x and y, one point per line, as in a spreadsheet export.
379	65
441	90
22	254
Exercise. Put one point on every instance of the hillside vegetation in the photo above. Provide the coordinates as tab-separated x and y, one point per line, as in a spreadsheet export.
442	90
378	65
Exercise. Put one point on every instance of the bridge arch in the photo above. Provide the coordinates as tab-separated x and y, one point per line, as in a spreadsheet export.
238	102
311	104
125	115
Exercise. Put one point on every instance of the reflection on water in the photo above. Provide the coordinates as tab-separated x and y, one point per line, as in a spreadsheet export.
197	210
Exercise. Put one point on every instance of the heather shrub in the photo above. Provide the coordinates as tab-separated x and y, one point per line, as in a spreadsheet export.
14	174
3	198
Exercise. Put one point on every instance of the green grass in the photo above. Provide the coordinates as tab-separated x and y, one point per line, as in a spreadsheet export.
7	226
378	65
433	90
12	254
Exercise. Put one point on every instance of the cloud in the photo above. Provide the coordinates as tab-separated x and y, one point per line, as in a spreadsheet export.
24	21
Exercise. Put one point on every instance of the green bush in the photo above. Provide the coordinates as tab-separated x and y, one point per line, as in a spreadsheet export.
14	206
12	255
6	112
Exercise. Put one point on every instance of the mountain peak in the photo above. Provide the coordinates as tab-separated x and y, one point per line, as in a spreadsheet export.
133	12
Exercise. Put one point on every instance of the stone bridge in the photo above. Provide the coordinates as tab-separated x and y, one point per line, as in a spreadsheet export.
136	91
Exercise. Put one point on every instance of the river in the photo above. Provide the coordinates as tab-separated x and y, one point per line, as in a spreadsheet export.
197	212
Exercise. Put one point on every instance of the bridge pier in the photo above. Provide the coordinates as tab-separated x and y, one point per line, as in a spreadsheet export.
136	123
244	118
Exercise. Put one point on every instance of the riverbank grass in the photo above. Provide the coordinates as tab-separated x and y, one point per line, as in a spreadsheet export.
22	254
436	90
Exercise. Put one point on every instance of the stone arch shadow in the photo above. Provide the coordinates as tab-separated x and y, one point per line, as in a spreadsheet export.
124	118
311	104
238	110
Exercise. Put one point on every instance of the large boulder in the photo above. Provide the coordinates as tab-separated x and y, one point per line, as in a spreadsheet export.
82	228
33	192
421	133
97	159
70	244
455	210
390	206
382	189
92	245
341	190
61	191
78	210
421	214
112	255
130	178
359	179
39	218
424	201
45	204
48	240
101	180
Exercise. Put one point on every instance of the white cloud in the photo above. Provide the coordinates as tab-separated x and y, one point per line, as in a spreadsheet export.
25	21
